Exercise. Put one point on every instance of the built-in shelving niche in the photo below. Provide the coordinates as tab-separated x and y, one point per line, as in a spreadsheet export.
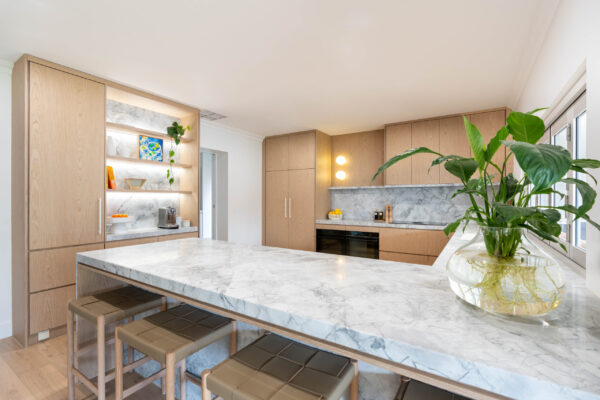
129	115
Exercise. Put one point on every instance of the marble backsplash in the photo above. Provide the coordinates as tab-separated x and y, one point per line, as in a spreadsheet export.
410	203
144	206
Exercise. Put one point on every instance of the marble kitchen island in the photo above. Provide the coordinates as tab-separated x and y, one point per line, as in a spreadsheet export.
400	317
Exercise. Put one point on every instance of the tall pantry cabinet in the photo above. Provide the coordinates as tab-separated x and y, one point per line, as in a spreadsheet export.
297	175
57	190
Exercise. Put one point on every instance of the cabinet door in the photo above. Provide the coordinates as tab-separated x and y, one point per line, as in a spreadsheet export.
277	153
302	150
66	159
453	140
276	199
412	241
48	309
488	124
398	139
301	209
425	134
405	258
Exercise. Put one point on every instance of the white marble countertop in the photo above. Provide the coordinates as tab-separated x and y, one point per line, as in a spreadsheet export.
402	312
378	224
150	232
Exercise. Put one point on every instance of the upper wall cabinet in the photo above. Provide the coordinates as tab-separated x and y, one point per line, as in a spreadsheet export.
295	151
363	154
453	140
66	159
425	134
398	139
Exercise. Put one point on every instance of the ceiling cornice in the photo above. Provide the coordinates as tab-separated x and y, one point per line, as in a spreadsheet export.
233	131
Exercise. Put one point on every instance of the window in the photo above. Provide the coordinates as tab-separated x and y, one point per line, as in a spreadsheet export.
569	131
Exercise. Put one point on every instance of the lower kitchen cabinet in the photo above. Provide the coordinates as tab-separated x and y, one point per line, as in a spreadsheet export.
412	241
48	309
407	258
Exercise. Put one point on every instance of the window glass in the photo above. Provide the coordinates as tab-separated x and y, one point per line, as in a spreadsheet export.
580	152
561	139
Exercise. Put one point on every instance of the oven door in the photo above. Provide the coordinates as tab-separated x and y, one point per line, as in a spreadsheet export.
331	241
363	244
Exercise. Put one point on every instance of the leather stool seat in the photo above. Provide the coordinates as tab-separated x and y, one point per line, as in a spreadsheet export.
276	368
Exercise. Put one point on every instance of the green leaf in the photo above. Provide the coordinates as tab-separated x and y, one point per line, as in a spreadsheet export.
171	181
544	164
525	127
588	195
583	171
442	159
406	154
451	227
172	161
586	163
509	213
168	173
495	143
552	215
463	169
171	153
476	143
536	110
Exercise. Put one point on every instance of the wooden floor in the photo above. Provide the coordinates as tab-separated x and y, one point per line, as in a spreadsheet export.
40	373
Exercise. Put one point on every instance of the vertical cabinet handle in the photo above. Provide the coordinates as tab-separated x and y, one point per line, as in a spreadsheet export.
290	207
99	215
285	207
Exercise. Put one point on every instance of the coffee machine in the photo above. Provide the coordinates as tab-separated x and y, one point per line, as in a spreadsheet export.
167	218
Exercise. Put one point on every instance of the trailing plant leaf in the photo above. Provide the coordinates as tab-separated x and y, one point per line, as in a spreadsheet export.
399	157
544	164
175	132
476	143
536	110
525	127
462	169
588	195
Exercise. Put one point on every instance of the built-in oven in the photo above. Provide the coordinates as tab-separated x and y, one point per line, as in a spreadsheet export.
350	243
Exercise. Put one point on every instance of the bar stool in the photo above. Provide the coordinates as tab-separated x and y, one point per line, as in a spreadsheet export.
276	368
104	309
169	337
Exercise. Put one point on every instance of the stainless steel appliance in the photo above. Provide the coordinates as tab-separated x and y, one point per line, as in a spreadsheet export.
349	243
167	218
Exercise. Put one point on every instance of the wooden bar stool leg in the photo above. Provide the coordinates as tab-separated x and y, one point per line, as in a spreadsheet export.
129	348
101	358
163	307
206	394
71	352
182	380
118	366
163	387
170	376
233	339
354	383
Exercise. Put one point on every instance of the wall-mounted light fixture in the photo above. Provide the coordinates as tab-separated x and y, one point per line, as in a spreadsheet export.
341	175
340	160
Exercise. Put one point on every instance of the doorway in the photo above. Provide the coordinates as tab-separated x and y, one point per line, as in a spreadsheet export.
213	194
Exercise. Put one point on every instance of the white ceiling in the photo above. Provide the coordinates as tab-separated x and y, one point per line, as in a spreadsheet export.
277	66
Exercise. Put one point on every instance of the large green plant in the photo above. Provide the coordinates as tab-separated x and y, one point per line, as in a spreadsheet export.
505	203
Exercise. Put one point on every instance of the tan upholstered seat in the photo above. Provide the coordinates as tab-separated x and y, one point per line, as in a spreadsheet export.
115	305
276	368
182	330
104	309
169	337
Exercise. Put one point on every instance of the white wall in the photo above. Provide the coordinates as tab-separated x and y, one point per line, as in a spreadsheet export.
5	233
572	39
244	152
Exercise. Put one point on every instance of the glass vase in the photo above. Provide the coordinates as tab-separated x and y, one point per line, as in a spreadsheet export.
502	271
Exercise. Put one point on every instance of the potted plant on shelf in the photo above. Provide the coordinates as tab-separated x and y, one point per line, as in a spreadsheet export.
175	132
501	270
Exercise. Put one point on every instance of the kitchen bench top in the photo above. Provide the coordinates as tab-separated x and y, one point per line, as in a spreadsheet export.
377	224
404	315
148	232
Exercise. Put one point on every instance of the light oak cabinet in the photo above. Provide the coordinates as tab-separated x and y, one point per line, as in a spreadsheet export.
296	196
419	246
425	134
453	140
66	159
178	236
398	139
364	153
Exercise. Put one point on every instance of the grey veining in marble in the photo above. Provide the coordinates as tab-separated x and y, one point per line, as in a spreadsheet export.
411	203
127	114
377	224
405	313
144	206
143	233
